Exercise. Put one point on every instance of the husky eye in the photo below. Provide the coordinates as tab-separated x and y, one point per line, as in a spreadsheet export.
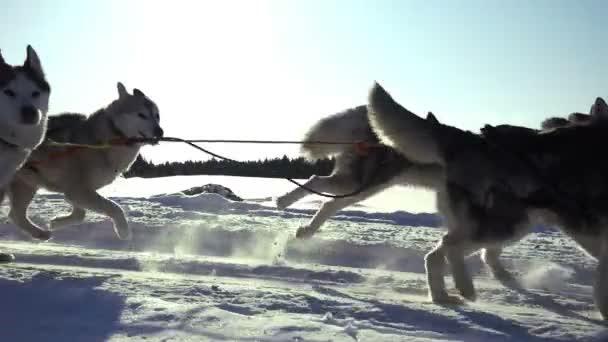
142	116
35	94
9	93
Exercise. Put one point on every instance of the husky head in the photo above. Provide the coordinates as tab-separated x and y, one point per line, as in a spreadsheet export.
135	115
24	101
598	112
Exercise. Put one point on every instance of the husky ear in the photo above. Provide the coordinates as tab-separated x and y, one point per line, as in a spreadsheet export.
554	122
32	61
430	117
138	92
599	108
3	65
579	118
122	91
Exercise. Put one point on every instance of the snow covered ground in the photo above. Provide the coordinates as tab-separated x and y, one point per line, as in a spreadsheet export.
203	268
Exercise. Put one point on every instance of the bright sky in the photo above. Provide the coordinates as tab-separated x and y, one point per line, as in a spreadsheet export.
269	69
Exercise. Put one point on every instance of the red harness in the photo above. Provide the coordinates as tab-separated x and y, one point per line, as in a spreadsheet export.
69	150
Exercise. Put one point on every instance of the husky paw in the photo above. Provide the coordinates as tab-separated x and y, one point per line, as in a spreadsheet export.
447	299
122	228
6	257
282	202
42	235
506	278
470	296
124	234
468	292
305	232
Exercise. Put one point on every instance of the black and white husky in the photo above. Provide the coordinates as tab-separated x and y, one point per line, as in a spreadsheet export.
24	102
499	182
378	168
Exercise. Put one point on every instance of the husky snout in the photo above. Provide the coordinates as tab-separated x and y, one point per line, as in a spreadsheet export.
30	115
158	132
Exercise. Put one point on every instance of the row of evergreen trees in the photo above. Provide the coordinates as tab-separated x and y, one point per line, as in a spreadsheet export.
277	167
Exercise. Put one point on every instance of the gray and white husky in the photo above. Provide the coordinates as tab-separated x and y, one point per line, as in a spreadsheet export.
373	171
24	102
500	182
78	174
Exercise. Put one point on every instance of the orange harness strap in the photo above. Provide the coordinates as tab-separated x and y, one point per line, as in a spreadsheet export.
363	147
72	149
68	152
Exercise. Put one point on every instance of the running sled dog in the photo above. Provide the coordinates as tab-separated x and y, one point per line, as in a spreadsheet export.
500	181
361	174
24	103
79	174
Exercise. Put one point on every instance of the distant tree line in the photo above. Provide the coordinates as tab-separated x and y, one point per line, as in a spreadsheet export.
271	168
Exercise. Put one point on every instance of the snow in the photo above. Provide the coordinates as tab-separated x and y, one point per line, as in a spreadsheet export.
203	268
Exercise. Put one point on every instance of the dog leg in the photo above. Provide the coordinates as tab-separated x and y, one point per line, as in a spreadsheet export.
456	248
329	184
600	286
5	257
327	210
93	201
434	263
491	257
5	175
76	216
21	194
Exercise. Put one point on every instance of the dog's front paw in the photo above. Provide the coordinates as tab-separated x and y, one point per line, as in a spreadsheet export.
506	278
467	291
282	202
6	257
123	233
42	235
447	299
469	295
305	232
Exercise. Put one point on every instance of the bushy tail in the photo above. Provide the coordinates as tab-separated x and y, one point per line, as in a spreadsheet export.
396	126
348	126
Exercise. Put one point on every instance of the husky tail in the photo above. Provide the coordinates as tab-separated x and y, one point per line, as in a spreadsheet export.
398	127
347	126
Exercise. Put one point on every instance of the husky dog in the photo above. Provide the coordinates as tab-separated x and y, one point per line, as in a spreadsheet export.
78	174
501	181
24	102
370	171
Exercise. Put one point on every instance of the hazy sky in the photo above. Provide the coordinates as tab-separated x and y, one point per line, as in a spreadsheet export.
269	69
